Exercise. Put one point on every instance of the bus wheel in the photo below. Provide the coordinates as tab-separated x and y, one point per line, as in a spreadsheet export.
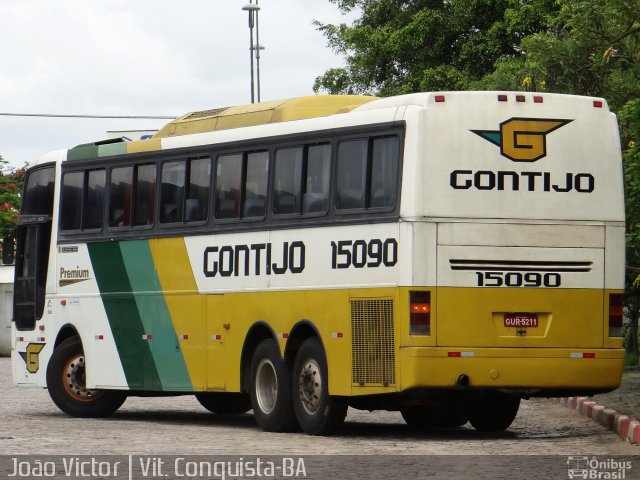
271	389
67	386
318	412
493	411
225	403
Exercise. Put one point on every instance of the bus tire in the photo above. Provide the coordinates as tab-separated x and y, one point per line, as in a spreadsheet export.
66	384
318	412
493	411
270	391
224	403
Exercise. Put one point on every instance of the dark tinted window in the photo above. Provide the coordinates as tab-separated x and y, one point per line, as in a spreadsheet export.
255	188
145	194
352	174
367	174
120	197
172	192
71	203
228	178
197	204
286	188
94	199
316	182
384	172
38	198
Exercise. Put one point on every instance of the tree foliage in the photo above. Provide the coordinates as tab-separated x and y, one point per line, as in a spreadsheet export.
403	46
11	182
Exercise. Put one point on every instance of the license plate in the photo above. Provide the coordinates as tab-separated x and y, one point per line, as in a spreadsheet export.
521	320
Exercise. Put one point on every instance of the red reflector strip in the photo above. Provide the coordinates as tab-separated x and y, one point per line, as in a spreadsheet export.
538	99
283	335
337	335
520	98
21	339
502	98
582	355
216	337
597	103
99	337
439	98
183	337
41	328
40	339
454	354
147	337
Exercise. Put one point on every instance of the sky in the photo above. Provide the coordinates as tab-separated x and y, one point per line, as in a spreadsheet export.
145	57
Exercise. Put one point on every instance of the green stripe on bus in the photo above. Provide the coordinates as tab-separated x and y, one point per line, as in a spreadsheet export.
124	318
155	315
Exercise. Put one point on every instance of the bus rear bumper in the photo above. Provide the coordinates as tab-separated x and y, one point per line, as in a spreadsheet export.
552	372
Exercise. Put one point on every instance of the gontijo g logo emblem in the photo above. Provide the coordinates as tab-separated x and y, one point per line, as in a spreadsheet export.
522	139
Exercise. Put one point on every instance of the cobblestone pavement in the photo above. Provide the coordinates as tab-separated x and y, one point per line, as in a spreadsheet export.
180	426
625	399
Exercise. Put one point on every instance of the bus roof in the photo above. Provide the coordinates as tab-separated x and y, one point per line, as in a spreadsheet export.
262	113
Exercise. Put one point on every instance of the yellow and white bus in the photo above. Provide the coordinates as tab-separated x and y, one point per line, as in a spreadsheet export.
440	254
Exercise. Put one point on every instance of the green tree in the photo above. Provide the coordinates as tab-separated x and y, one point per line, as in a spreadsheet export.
403	46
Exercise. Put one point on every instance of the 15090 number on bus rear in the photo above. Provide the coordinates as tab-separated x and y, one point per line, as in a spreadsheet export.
519	279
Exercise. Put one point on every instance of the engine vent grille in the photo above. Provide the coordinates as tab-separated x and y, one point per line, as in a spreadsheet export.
372	342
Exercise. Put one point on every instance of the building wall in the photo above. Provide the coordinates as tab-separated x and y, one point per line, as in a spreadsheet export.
6	309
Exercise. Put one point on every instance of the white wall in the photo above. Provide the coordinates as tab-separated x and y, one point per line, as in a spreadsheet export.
6	308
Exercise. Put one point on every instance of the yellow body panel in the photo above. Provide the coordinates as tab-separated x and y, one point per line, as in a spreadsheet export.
185	304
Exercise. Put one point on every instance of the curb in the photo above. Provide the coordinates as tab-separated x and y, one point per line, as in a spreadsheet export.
625	427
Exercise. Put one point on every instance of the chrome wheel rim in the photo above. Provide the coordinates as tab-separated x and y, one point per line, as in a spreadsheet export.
310	386
266	386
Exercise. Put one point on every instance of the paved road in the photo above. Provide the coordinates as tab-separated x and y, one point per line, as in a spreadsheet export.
30	423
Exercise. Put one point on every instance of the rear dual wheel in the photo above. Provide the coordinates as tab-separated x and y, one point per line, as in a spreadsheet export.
283	400
271	389
66	382
318	413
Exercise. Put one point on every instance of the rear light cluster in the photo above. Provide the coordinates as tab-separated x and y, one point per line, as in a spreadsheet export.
520	98
420	313
616	314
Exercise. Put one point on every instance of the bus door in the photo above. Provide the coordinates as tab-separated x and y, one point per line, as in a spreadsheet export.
33	244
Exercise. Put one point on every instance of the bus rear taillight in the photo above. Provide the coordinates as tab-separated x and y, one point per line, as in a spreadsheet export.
616	314
420	313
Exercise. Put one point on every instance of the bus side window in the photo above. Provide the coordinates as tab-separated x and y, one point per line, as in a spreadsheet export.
120	196
286	190
384	172
316	182
197	205
228	178
352	174
71	201
172	191
93	210
255	188
145	194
